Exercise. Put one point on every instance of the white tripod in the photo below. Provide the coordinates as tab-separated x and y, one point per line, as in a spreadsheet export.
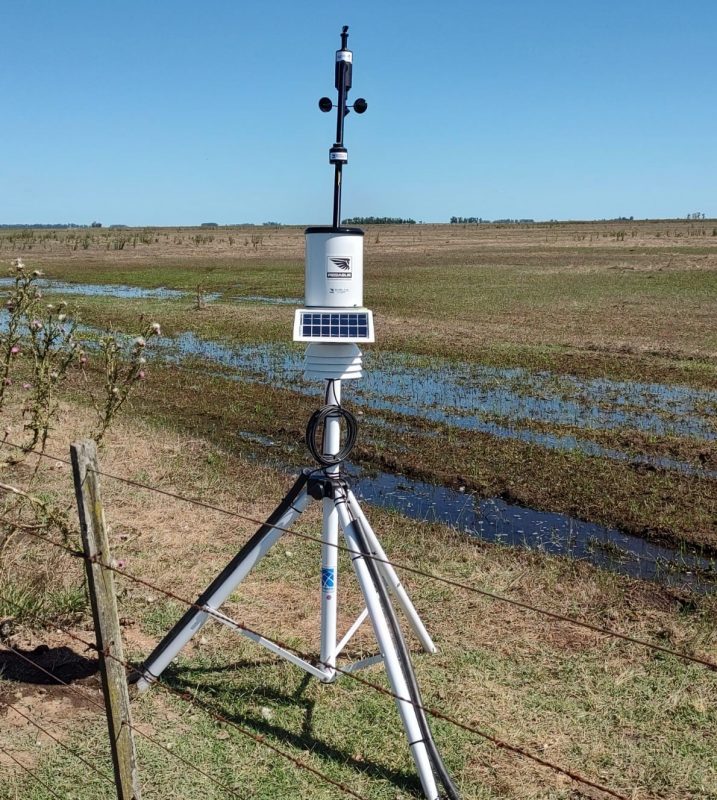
341	511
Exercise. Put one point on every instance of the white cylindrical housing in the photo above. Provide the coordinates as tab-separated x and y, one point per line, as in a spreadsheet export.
334	268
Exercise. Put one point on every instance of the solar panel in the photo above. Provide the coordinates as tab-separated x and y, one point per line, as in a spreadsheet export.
333	326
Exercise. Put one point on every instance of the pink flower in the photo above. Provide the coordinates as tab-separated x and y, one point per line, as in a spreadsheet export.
83	359
14	350
8	381
140	374
27	386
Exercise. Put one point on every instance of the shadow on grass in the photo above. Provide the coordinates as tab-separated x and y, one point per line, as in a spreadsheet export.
62	662
306	740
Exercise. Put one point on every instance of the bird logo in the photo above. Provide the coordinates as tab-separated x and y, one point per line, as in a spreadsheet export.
342	263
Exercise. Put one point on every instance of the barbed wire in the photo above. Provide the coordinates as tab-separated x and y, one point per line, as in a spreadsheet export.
202	704
500	743
495	740
312	658
31	773
47	733
133	728
600	629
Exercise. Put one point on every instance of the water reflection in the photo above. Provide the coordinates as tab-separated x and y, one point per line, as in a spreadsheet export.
109	290
465	396
494	520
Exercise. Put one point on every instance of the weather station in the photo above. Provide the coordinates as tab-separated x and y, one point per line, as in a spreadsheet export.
333	322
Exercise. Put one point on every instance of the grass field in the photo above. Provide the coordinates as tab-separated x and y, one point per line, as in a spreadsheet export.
568	368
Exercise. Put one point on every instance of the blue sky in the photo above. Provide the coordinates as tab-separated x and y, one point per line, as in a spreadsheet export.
165	113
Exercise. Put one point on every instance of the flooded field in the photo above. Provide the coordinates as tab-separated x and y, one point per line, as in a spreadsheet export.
536	422
664	426
469	396
499	402
494	520
107	290
139	293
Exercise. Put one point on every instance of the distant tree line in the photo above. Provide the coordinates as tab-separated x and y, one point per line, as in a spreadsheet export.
379	221
481	221
44	225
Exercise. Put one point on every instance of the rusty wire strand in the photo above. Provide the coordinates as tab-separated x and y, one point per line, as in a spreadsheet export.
500	743
212	712
398	565
31	773
58	741
495	740
133	728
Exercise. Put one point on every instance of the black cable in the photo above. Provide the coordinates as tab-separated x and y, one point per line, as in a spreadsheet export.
404	658
331	395
315	443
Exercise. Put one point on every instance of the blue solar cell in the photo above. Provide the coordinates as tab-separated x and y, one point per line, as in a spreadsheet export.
334	325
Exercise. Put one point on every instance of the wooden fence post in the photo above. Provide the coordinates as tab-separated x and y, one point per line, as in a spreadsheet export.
104	611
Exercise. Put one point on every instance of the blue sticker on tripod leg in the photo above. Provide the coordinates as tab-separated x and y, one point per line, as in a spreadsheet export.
328	579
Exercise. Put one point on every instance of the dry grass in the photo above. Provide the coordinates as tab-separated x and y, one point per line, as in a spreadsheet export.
579	298
610	709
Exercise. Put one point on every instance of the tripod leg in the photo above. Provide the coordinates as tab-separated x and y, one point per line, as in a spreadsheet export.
331	445
329	578
226	582
390	657
391	578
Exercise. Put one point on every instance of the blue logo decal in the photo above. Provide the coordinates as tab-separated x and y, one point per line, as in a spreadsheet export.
328	579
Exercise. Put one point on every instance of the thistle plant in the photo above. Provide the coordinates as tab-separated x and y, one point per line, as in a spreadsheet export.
53	349
20	302
124	368
38	340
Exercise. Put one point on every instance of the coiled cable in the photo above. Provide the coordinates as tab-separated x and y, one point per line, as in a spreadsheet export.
316	444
